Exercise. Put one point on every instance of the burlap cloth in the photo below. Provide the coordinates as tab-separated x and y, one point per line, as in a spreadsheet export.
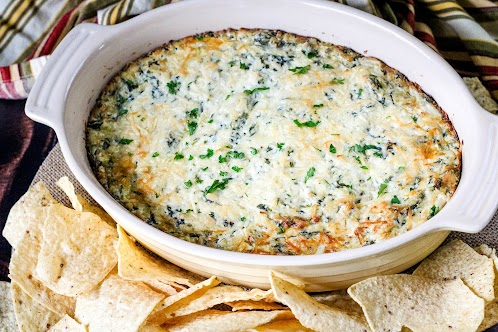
54	167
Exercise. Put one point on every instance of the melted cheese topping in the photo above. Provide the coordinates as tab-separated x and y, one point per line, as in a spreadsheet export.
266	142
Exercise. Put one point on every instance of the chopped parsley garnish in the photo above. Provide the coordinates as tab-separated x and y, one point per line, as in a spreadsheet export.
378	154
395	200
190	157
358	159
318	105
401	168
332	148
337	81
312	54
189	210
232	63
282	229
208	154
434	211
237	169
243	218
223	173
382	188
173	87
197	180
192	127
309	174
125	141
188	184
244	66
360	91
178	156
120	99
204	169
210	121
199	37
300	70
414	118
193	113
250	92
122	111
308	124
155	154
280	146
327	66
362	148
217	185
231	155
254	151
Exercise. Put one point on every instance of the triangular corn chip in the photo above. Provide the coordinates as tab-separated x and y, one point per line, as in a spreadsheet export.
25	211
136	264
116	305
30	315
23	265
67	324
167	308
458	260
315	315
77	251
421	304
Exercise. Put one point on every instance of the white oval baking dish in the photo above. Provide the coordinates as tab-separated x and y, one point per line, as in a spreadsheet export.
90	55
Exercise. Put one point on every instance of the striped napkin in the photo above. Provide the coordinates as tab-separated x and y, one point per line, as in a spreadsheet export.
464	32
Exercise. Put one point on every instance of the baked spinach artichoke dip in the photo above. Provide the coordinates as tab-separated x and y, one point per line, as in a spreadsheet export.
265	142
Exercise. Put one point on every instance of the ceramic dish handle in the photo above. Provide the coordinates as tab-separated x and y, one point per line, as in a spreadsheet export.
45	102
480	206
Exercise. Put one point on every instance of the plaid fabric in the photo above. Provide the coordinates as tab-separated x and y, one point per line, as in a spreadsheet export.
464	32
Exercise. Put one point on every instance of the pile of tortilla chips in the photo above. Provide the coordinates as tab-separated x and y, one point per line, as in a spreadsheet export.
73	269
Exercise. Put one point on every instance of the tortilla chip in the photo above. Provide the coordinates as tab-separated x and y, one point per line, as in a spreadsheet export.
7	315
313	314
218	295
338	299
30	315
22	269
77	251
255	305
167	308
136	264
81	204
458	260
87	207
116	305
67	324
491	309
68	188
224	321
420	304
289	325
26	211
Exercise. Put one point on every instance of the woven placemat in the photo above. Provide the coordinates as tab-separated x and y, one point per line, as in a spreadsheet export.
54	167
